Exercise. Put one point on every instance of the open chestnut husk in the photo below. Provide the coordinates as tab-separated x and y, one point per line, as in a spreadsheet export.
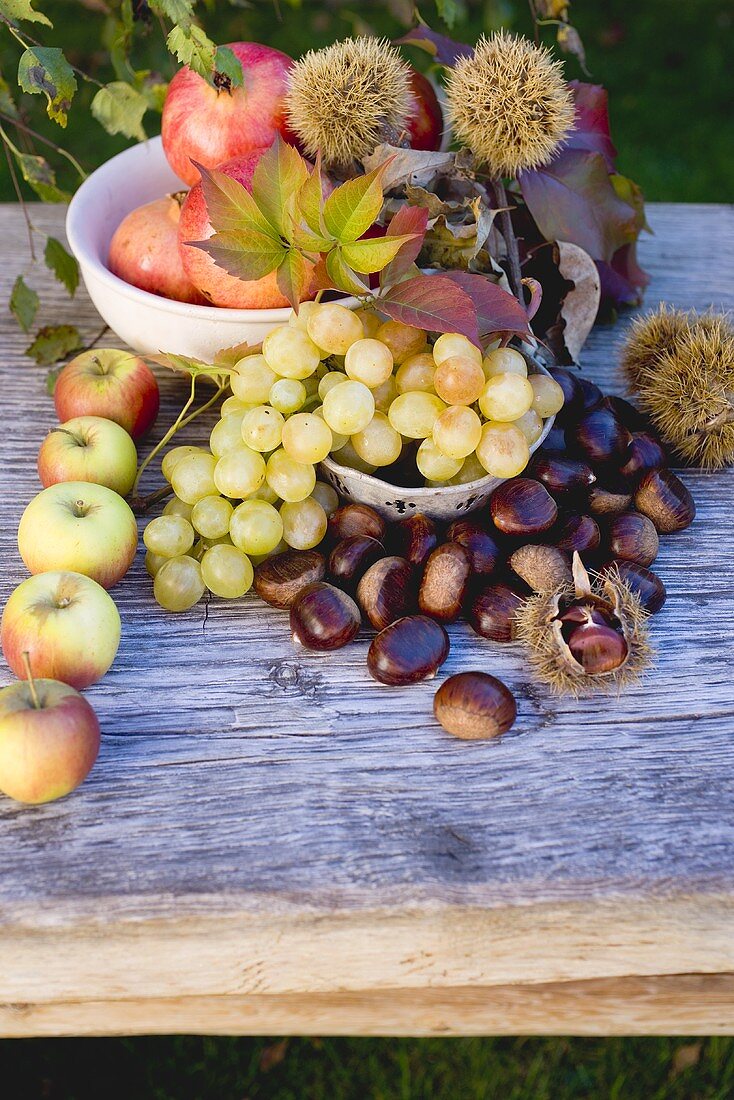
323	617
279	579
633	537
351	557
646	585
473	705
587	635
543	568
663	498
610	497
444	582
492	612
484	553
356	519
388	591
414	538
575	532
522	506
599	437
409	650
561	474
645	453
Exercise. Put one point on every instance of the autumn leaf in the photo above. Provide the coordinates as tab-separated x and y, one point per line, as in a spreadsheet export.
120	108
435	303
54	342
352	209
247	256
62	264
16	10
293	277
408	219
43	70
371	254
23	303
39	174
439	46
591	130
342	276
230	206
280	174
496	309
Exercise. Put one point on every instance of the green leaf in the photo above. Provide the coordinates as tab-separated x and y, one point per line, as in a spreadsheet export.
230	206
311	200
371	255
51	377
342	275
43	70
351	209
23	303
294	276
38	173
192	47
16	10
178	11
7	103
228	68
247	256
62	263
54	342
450	11
195	368
308	241
120	109
276	182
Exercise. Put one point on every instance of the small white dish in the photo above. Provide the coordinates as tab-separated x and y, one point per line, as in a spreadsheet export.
147	322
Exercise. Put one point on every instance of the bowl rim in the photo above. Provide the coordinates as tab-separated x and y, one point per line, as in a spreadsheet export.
426	492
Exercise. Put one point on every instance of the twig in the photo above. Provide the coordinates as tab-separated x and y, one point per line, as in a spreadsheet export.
46	141
513	254
21	200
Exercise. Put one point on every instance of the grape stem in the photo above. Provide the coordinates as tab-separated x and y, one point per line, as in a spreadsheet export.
180	422
140	505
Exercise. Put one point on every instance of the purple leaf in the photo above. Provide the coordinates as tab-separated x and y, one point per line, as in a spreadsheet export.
497	311
435	303
444	49
592	121
408	219
623	280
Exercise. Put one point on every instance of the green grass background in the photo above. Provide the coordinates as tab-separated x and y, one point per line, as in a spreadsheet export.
672	101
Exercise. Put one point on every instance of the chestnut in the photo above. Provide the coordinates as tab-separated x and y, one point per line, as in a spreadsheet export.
609	498
599	437
643	582
410	649
663	497
591	393
560	474
387	591
522	506
472	705
351	557
555	442
323	617
356	519
573	394
484	553
444	582
543	568
597	647
626	413
414	538
279	579
492	612
633	537
576	532
645	453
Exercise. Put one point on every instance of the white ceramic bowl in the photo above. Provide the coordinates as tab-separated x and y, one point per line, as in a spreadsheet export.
445	502
147	322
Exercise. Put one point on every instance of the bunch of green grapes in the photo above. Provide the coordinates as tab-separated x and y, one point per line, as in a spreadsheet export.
341	382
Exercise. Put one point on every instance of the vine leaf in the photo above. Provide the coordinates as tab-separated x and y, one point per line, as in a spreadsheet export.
439	46
351	209
62	263
373	253
591	130
341	275
16	10
433	302
280	174
23	303
39	175
412	220
54	342
195	368
7	103
294	276
496	309
43	70
247	256
230	206
120	108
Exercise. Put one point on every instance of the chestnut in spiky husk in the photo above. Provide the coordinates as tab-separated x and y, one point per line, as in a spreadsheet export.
587	635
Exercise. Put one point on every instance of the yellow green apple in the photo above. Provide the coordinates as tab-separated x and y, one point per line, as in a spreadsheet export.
89	448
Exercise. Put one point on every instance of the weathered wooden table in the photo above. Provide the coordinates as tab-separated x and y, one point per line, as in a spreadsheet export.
271	842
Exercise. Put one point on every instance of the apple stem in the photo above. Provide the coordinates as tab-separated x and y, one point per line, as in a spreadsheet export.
514	273
31	681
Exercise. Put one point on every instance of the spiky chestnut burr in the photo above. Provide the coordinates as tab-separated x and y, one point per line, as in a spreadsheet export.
590	635
345	99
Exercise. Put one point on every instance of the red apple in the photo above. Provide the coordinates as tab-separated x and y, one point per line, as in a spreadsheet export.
110	383
215	284
425	125
66	623
144	251
211	125
49	740
89	448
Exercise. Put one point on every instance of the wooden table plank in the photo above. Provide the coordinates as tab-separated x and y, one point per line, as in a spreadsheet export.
271	824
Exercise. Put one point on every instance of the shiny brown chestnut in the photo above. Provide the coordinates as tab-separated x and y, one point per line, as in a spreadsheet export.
414	538
522	506
592	395
645	453
573	394
633	537
626	413
388	591
351	557
643	582
411	649
663	497
484	553
609	498
576	532
492	612
279	579
444	582
323	617
473	705
599	437
561	474
555	442
356	519
598	648
543	568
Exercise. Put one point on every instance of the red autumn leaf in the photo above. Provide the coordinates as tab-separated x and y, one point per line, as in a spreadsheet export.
496	310
623	280
409	219
572	199
435	303
439	46
591	131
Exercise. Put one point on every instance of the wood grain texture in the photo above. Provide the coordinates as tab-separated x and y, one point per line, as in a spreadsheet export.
266	823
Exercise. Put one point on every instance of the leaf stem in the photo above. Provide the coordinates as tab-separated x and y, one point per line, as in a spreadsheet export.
513	253
19	195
